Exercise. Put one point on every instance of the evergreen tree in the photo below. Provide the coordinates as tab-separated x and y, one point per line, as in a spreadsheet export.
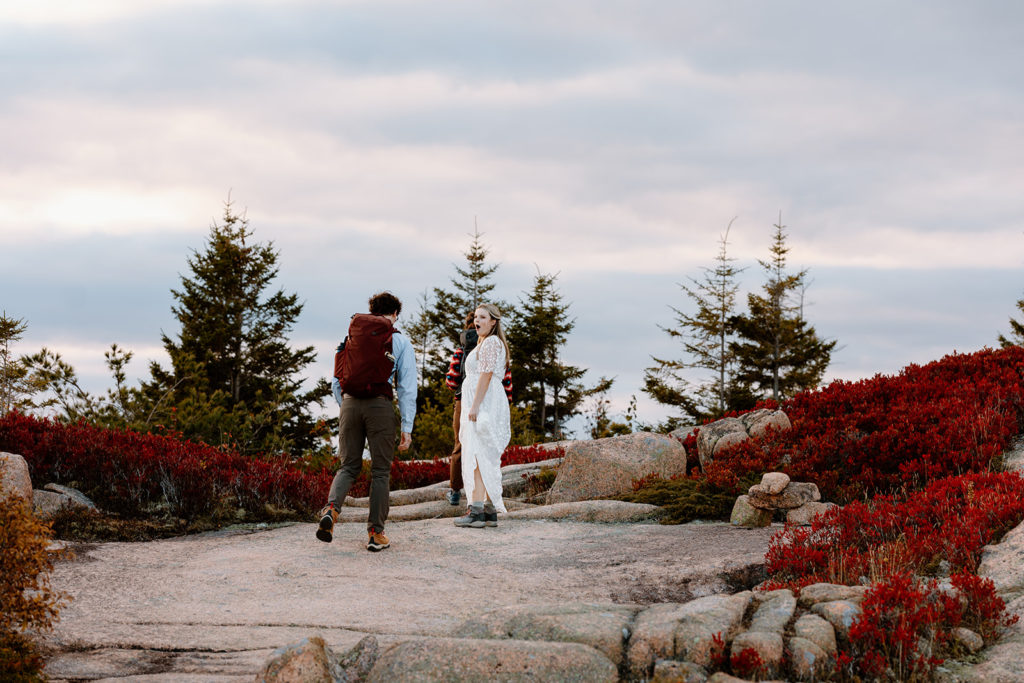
233	377
548	388
777	352
705	337
1016	337
16	384
471	287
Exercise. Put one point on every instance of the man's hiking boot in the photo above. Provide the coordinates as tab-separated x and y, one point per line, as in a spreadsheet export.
490	515
325	531
453	497
474	518
378	541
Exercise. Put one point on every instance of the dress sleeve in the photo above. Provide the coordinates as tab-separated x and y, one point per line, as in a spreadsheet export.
491	355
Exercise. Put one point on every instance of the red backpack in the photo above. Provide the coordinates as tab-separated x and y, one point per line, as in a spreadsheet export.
364	362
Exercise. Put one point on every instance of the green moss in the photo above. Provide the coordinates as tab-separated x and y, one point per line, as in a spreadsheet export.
686	500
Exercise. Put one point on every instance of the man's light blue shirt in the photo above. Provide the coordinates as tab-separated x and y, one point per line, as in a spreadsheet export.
405	367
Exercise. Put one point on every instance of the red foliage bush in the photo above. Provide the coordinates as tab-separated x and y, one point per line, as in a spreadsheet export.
952	519
890	434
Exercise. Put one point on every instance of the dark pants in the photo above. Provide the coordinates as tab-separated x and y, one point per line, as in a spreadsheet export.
373	421
455	465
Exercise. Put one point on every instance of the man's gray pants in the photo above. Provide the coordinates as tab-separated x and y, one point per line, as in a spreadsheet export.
366	421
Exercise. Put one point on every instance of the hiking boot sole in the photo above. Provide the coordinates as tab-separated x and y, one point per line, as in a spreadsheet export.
326	530
475	524
377	547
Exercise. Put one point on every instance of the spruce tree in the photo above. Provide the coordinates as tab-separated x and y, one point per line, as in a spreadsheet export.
234	379
705	336
1016	337
550	389
778	353
16	387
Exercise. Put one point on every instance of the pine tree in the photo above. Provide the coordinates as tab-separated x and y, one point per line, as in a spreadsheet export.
777	352
233	376
548	388
1016	337
705	338
16	387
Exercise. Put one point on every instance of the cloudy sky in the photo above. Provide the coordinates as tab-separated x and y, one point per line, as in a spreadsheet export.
608	142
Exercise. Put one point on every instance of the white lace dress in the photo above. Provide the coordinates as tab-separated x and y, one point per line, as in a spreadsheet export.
485	440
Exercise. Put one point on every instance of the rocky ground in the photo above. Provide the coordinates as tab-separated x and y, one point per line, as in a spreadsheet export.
212	607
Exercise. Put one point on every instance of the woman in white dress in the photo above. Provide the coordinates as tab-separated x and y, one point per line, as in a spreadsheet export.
485	427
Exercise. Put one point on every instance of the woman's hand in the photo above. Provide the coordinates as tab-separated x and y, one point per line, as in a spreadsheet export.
473	412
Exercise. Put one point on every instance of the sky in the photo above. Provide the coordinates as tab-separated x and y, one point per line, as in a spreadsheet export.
610	143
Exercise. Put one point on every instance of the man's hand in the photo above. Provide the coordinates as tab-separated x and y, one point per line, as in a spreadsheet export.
405	442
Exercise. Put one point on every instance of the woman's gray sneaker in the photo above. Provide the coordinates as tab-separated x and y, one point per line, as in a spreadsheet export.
473	518
490	515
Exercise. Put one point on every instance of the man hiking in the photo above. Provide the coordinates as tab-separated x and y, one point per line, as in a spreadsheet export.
374	358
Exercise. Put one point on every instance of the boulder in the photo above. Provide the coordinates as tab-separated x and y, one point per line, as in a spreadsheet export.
768	646
303	662
53	498
815	629
746	515
971	641
673	671
14	478
606	511
827	592
311	661
807	661
602	627
793	496
841	614
713	437
462	660
770	420
774	611
805	514
606	467
775	482
710	434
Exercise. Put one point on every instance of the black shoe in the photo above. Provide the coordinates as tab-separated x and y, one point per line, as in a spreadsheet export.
490	518
325	531
473	518
452	497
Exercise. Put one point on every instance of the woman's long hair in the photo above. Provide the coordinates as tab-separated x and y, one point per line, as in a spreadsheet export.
499	330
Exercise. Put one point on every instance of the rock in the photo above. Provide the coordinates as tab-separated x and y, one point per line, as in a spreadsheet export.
774	420
768	647
753	417
774	611
14	478
746	515
970	640
805	514
606	467
54	497
423	494
687	631
721	677
807	661
774	482
827	592
429	510
720	614
673	671
304	662
710	434
793	496
815	629
355	665
460	660
606	511
840	613
602	627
